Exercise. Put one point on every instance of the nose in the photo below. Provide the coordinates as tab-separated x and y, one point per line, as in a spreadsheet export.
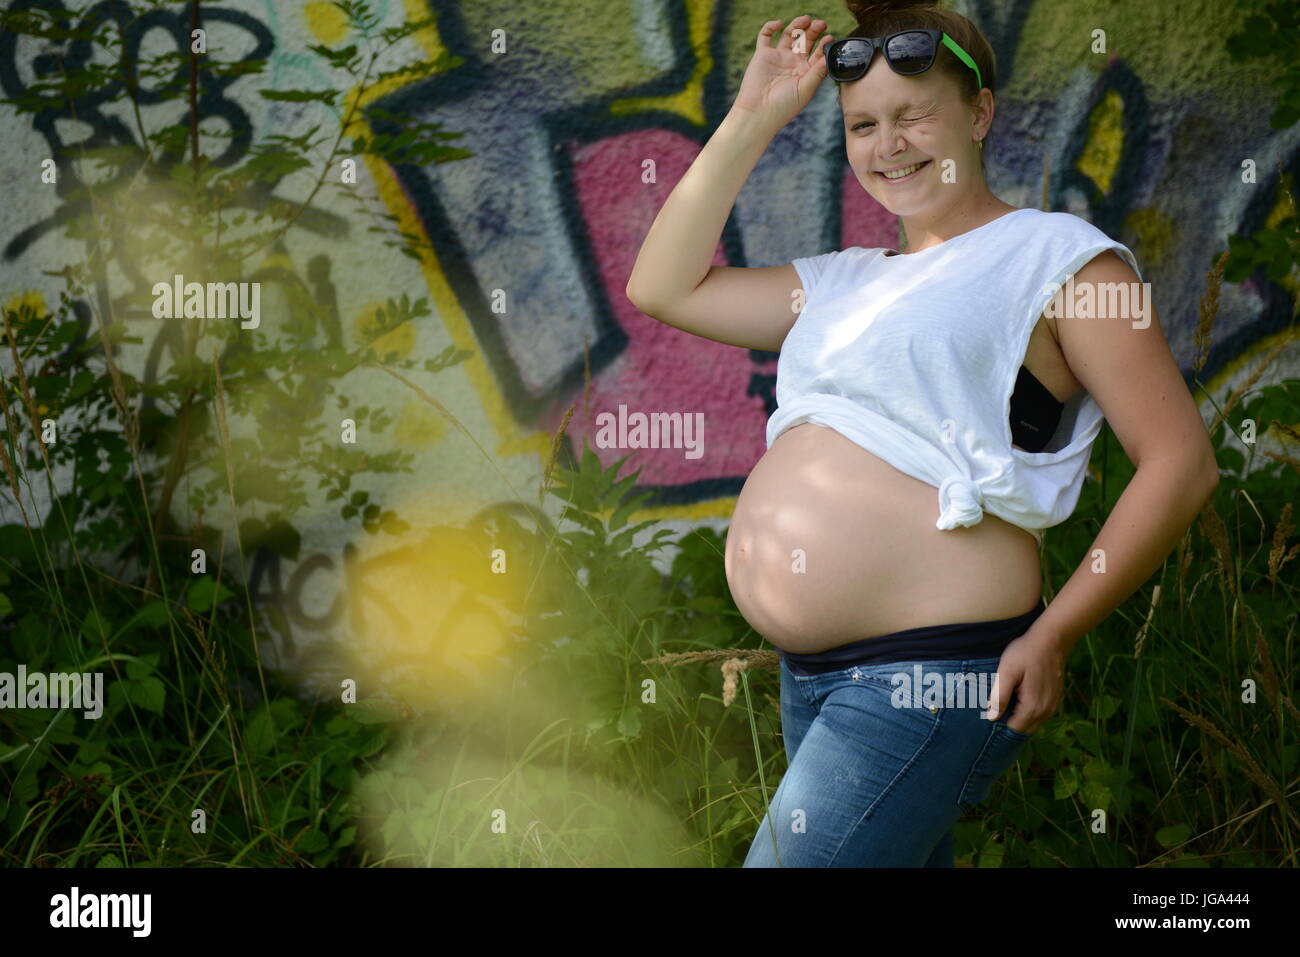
890	141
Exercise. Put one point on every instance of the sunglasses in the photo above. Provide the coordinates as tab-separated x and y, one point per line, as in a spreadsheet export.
907	52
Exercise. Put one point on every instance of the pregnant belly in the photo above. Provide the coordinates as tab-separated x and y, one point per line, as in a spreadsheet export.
830	544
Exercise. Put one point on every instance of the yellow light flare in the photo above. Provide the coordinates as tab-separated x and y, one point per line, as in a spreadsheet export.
426	620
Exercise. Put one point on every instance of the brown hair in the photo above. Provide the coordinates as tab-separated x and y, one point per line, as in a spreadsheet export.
879	18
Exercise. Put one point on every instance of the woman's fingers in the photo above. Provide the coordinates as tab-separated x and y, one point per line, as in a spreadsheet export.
803	36
810	36
764	41
819	57
803	30
797	23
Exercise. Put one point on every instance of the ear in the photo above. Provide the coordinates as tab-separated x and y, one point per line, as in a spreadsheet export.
982	114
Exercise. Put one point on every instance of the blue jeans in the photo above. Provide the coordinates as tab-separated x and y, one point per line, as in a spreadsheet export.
872	784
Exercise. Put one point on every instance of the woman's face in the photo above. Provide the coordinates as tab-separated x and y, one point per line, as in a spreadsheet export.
892	122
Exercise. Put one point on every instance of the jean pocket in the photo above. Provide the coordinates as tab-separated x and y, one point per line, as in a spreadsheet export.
1019	735
998	755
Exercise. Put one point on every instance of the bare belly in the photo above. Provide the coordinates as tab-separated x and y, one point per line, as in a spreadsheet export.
830	544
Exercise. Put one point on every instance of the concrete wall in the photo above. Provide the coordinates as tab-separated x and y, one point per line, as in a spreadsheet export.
1146	141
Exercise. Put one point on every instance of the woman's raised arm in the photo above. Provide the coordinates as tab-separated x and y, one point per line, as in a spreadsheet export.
674	279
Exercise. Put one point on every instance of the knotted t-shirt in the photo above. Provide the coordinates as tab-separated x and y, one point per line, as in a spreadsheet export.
914	357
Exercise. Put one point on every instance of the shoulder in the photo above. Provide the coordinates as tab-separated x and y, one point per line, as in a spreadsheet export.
1058	223
833	268
847	253
1066	239
1072	255
1083	231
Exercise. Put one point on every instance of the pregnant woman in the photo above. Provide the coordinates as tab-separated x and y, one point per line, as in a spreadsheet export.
936	410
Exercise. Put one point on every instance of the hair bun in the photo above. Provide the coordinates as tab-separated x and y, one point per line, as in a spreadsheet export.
864	8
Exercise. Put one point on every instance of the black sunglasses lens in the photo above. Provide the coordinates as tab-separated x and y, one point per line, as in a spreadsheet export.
852	58
911	52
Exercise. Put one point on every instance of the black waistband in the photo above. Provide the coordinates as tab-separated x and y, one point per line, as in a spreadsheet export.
958	641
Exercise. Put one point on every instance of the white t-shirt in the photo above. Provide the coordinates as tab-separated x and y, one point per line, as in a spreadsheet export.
914	357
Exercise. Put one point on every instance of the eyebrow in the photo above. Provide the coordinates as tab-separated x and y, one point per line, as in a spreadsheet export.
904	108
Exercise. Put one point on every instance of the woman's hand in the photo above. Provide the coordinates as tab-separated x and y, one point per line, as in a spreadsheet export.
1033	666
781	79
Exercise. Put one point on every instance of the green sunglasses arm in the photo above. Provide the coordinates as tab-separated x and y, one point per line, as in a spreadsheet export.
962	55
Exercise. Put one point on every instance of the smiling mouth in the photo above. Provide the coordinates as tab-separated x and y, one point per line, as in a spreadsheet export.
905	173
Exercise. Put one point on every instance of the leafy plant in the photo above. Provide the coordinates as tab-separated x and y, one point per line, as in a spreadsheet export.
100	571
1271	31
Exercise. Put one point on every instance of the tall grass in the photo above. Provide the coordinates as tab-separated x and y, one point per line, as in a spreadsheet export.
1175	745
634	718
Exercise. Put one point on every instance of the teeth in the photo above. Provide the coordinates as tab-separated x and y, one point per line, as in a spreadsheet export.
905	171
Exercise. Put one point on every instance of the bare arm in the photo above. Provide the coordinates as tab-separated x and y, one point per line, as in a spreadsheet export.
1125	364
674	279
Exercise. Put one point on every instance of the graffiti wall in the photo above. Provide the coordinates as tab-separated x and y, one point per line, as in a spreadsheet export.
563	108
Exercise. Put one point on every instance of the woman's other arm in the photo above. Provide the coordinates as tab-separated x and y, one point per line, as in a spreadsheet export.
1125	364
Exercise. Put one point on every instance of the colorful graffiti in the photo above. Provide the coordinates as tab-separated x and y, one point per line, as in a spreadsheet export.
561	107
554	208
